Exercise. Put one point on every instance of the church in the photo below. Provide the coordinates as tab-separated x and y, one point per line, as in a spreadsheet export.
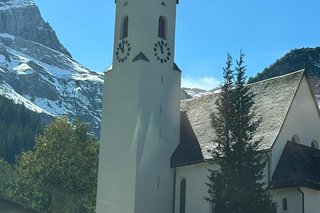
155	149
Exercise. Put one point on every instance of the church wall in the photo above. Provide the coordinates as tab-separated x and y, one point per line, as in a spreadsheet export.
118	156
159	139
312	200
302	120
294	200
196	188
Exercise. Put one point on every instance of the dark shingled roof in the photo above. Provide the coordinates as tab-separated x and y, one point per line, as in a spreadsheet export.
299	165
188	151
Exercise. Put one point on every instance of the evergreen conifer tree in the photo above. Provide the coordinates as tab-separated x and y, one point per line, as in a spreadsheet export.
237	187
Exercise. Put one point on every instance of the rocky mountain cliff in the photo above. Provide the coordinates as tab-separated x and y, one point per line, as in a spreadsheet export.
297	59
37	71
22	18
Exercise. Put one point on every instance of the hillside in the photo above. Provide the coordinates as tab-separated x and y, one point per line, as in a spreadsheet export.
18	128
297	59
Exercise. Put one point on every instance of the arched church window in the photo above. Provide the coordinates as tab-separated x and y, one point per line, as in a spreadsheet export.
295	139
124	27
183	191
162	30
314	144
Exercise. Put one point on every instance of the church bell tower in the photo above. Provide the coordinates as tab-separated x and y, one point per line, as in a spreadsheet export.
141	111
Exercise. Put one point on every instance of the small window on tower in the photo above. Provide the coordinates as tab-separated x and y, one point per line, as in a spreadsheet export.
124	27
162	31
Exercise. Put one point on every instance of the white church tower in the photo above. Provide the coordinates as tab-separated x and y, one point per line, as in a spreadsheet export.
141	111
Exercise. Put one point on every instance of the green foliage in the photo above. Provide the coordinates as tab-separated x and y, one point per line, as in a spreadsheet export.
8	177
60	174
18	127
237	187
296	59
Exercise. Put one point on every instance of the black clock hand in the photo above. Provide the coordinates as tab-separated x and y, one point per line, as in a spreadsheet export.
121	46
161	47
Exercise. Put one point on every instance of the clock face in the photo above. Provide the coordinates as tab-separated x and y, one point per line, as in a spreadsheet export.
162	51
123	50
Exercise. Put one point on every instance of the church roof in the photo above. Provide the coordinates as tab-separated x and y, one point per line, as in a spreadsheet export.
298	166
189	150
273	99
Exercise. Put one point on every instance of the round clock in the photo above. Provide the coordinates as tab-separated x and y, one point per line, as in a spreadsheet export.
162	51
123	50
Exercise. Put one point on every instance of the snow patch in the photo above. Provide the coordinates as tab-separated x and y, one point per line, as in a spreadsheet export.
87	77
195	92
8	92
23	69
6	35
15	4
73	90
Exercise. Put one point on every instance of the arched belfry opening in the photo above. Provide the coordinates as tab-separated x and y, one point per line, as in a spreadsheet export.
296	139
314	144
124	27
162	28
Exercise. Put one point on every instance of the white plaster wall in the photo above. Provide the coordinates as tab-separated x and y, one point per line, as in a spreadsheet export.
302	120
312	200
294	200
160	137
118	145
196	189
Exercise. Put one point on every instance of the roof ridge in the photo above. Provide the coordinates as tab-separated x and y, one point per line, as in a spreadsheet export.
251	84
279	76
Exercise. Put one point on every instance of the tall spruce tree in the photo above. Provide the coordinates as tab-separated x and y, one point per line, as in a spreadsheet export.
237	187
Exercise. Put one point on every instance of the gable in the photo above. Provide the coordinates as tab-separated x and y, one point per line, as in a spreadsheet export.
273	98
302	122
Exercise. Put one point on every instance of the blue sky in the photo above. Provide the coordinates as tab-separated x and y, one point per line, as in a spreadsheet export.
206	31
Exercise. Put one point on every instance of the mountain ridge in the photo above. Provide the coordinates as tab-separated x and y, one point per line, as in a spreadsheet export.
22	18
38	72
296	59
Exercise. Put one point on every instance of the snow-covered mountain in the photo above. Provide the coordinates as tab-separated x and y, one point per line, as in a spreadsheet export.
37	71
187	93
